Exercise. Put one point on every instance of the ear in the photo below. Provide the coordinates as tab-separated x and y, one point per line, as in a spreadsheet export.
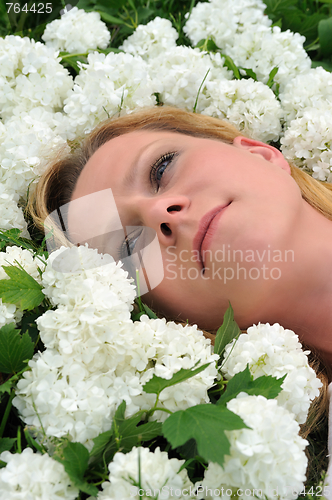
267	152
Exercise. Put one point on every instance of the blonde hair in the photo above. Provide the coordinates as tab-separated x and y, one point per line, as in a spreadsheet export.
57	183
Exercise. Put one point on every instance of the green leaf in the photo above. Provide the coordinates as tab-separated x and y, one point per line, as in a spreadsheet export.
325	36
110	19
157	384
266	386
15	349
75	462
230	64
21	289
28	324
249	72
206	424
124	434
228	331
148	311
272	74
326	64
6	444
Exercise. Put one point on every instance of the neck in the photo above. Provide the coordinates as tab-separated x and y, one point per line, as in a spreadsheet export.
304	295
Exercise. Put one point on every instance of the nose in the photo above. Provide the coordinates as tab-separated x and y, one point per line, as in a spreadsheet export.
165	215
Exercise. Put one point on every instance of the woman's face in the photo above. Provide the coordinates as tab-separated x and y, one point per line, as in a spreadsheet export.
223	214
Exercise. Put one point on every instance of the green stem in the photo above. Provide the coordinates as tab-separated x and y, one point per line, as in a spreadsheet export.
74	55
6	414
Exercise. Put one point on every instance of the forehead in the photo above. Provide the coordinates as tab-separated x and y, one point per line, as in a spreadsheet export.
109	165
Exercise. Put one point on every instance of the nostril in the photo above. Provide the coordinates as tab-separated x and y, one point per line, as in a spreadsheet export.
165	229
174	208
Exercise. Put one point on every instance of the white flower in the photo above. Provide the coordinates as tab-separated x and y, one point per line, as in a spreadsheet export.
263	50
160	476
251	106
107	86
16	255
96	363
272	350
223	19
308	142
9	313
31	476
11	215
25	143
81	276
30	75
152	39
268	457
310	90
77	31
179	73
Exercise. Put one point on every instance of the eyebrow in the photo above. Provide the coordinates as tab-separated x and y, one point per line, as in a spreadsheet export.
131	175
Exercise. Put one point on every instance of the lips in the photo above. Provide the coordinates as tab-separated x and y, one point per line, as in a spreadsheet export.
206	228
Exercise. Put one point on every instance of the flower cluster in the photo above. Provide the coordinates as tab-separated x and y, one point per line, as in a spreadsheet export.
77	31
268	457
251	106
152	39
273	350
96	356
107	86
29	475
30	75
155	473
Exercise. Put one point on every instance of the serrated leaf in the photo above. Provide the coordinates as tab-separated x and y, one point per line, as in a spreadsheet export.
228	331
28	324
266	386
75	462
206	424
21	289
6	444
157	384
325	36
15	349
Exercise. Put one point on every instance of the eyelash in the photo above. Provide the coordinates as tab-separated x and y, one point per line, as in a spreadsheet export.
153	171
155	166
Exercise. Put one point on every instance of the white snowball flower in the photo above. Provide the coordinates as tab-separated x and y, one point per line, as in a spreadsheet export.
223	19
9	314
24	149
30	75
11	215
107	86
96	364
262	50
32	476
178	74
251	106
152	39
25	258
273	350
310	90
308	142
160	476
268	457
77	32
88	278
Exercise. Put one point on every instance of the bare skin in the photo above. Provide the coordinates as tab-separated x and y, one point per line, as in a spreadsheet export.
263	217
